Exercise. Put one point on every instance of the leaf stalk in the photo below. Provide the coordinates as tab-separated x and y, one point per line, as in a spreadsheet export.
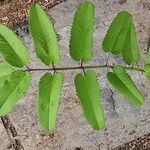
85	67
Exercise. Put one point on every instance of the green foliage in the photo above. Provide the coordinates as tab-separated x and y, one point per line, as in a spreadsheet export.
123	83
87	88
12	49
5	71
121	38
81	42
147	70
44	36
48	99
12	90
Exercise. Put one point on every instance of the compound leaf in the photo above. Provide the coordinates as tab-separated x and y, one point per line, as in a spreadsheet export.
44	36
121	38
87	88
124	84
12	90
11	47
81	42
48	99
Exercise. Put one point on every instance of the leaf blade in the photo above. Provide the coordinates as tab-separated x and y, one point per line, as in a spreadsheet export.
87	89
12	49
121	38
121	81
48	99
5	71
122	20
81	42
12	90
43	35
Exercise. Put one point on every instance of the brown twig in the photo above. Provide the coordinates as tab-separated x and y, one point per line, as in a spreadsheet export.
12	133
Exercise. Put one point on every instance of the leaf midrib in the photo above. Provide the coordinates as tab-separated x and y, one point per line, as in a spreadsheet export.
46	51
84	37
50	97
88	89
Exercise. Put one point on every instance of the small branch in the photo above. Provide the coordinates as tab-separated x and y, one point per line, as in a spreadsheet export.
12	133
82	67
85	67
27	67
54	67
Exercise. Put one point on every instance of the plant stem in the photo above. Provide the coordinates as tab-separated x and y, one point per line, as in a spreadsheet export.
82	67
85	67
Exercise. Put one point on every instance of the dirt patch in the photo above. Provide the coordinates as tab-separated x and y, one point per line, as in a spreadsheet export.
4	2
14	12
142	143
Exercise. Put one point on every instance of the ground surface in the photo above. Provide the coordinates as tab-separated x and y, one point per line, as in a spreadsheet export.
15	12
123	122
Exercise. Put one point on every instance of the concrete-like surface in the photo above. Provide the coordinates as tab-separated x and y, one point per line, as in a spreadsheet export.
123	122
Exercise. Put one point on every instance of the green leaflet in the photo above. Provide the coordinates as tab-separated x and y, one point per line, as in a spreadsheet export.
44	36
124	84
81	42
116	34
87	88
121	38
48	99
12	49
5	70
12	90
